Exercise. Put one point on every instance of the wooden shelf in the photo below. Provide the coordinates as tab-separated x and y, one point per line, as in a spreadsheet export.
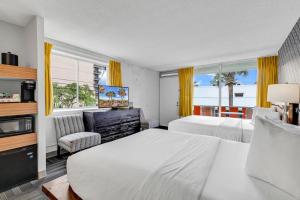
13	142
17	72
11	109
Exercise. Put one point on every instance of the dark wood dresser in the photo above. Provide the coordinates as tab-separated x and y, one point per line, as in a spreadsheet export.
112	124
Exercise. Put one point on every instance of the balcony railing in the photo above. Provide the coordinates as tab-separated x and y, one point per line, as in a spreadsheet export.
226	111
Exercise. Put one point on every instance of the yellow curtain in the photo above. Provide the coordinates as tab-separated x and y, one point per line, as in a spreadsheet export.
114	73
48	81
186	90
267	74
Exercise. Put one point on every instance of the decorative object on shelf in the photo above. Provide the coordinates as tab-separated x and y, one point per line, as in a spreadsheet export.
286	94
9	59
5	97
27	91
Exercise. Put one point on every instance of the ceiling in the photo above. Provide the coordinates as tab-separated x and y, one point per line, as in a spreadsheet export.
163	34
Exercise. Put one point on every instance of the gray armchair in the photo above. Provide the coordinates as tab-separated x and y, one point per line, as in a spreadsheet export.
71	135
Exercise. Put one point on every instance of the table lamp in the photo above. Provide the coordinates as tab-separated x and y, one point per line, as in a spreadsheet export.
284	93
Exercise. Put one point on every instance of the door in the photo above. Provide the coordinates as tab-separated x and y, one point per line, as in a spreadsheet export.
169	94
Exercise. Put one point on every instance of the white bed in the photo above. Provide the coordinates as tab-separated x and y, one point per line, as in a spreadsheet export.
235	129
163	165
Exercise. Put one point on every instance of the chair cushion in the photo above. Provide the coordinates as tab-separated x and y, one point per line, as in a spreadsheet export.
78	141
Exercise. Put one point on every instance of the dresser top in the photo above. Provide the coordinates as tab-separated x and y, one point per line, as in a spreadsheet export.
108	110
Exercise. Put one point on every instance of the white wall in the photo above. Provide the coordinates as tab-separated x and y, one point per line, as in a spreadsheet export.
12	39
143	89
143	92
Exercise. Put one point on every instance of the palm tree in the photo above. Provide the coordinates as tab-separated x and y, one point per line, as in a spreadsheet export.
122	93
229	79
110	95
101	89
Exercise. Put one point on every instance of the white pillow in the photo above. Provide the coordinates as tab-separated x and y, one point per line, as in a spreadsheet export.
274	155
269	112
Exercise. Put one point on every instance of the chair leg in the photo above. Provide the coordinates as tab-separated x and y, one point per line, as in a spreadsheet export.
58	152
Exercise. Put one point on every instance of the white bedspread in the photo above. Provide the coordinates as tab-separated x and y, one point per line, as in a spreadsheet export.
163	165
228	179
223	127
151	165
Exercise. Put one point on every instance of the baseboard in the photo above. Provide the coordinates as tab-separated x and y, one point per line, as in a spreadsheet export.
51	148
54	153
51	154
42	174
163	127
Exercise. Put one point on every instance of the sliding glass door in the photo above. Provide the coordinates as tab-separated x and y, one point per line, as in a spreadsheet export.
206	91
227	90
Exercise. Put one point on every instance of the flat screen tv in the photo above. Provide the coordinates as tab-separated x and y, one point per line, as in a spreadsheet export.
112	96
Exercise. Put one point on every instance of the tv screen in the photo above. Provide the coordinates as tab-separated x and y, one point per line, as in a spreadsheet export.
112	96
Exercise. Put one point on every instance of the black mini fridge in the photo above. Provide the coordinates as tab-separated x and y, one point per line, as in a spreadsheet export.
17	166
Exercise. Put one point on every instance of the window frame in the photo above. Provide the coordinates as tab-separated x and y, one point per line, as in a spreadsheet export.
78	59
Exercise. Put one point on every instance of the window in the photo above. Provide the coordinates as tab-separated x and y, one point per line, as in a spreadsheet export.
229	92
75	81
206	91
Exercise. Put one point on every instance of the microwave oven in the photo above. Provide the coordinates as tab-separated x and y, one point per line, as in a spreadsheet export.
16	125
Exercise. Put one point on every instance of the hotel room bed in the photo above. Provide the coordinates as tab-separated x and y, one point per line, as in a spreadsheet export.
235	129
163	165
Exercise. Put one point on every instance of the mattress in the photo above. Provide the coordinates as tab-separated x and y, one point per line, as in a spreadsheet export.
234	129
228	180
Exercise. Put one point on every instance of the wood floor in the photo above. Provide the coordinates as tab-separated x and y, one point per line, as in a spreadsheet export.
32	190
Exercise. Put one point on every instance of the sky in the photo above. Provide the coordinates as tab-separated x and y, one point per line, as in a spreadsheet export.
250	79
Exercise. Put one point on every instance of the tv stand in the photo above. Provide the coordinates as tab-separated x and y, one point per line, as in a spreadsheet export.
112	124
119	108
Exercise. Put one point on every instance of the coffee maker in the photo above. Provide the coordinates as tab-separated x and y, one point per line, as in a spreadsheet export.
27	91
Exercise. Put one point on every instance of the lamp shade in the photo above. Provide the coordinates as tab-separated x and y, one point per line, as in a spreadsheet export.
284	93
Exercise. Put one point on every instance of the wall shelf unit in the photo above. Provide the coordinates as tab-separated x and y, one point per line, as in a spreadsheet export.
17	72
11	109
17	141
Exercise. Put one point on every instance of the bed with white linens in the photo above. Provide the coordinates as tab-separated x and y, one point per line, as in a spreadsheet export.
164	165
235	129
